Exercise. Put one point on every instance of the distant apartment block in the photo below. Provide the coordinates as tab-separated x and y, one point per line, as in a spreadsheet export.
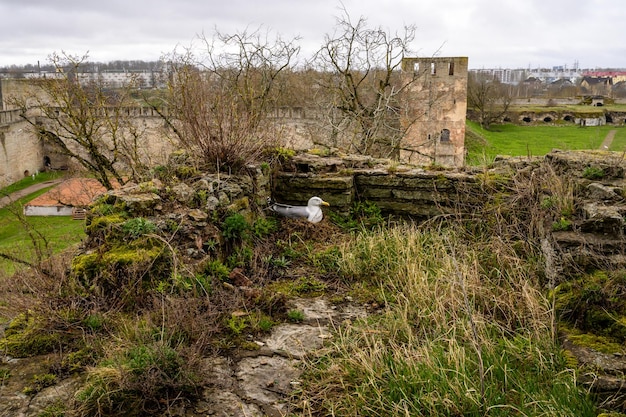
109	78
518	75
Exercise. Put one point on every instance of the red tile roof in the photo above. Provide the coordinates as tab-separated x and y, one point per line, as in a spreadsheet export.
75	192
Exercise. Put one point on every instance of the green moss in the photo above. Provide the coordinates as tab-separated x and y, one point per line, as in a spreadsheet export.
56	409
601	344
186	172
118	263
570	360
85	265
302	287
217	270
235	227
595	303
104	223
263	227
593	173
28	335
248	345
130	255
295	316
78	360
319	152
562	224
39	382
283	154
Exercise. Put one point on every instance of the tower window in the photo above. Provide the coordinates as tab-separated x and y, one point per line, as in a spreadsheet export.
451	68
445	135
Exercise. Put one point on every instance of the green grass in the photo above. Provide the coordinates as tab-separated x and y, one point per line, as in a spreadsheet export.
60	232
570	108
455	338
514	140
28	181
619	141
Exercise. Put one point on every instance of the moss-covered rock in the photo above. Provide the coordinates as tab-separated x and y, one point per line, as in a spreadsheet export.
99	224
595	303
28	335
90	265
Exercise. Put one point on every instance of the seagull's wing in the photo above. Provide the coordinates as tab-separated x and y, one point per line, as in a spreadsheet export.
290	211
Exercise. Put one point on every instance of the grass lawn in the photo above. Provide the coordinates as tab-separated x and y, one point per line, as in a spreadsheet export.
619	141
514	140
59	231
28	181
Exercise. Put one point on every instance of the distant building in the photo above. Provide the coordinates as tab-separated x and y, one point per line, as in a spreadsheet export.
596	85
437	111
65	199
614	76
545	75
118	79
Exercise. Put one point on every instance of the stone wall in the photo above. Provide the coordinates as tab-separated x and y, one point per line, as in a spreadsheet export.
594	183
22	151
437	136
21	154
402	190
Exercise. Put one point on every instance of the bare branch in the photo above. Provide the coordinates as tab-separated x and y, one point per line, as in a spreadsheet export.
359	71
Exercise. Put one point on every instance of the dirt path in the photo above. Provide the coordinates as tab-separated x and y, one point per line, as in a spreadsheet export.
608	140
8	199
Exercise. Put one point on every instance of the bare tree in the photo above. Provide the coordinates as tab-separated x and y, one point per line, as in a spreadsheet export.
488	98
361	83
220	98
84	121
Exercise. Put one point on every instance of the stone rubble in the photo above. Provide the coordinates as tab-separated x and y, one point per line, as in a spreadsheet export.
254	384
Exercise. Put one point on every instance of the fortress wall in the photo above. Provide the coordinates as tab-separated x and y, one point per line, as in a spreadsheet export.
21	153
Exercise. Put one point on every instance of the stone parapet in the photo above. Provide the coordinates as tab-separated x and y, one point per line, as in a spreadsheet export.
399	190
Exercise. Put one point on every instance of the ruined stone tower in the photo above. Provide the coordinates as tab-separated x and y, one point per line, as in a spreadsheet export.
436	111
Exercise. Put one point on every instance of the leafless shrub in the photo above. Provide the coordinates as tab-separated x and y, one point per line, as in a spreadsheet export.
85	121
360	88
219	97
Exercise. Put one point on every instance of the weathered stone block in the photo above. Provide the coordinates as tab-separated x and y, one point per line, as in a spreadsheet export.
412	209
137	203
300	197
421	195
428	182
597	191
183	192
381	181
375	192
602	219
314	182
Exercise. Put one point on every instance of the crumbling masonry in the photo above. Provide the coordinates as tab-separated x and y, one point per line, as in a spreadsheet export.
435	119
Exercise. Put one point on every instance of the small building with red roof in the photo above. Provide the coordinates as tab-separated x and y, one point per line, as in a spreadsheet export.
66	199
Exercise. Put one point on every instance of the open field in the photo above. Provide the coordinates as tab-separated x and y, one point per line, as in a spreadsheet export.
514	140
569	108
59	232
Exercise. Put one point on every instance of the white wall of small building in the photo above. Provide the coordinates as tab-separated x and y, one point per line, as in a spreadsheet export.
47	211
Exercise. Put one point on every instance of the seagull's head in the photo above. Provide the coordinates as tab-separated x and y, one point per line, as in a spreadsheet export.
317	202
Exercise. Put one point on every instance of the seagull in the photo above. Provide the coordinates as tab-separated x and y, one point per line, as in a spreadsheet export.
312	211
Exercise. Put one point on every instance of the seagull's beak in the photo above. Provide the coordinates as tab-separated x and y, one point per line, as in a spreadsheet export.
324	203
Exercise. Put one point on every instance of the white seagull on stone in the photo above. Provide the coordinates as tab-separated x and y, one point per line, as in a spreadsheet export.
312	211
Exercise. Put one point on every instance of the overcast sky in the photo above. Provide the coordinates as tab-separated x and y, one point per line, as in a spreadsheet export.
492	33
